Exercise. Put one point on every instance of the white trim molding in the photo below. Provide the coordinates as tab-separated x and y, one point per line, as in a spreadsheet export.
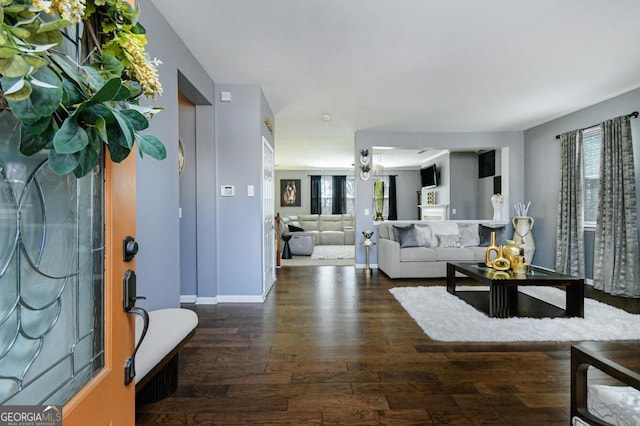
188	298
207	301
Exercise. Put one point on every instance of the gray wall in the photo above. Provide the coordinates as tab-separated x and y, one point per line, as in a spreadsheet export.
463	195
157	192
407	186
239	132
542	153
188	201
513	188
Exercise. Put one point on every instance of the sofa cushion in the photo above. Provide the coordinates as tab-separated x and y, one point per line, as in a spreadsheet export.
478	253
330	223
454	254
418	254
331	237
484	232
347	221
310	222
406	236
469	236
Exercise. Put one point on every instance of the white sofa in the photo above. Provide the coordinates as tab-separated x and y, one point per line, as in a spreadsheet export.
309	230
421	249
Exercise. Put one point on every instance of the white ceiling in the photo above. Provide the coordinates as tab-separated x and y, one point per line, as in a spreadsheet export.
411	65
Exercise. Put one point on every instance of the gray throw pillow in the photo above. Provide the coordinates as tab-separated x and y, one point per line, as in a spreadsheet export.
469	236
448	240
406	236
485	235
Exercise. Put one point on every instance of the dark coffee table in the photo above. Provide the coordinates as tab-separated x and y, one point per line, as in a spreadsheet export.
503	299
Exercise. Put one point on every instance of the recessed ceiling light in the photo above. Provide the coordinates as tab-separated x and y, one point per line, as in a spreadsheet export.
326	117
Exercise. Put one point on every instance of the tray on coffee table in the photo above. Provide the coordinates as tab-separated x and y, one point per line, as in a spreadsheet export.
503	298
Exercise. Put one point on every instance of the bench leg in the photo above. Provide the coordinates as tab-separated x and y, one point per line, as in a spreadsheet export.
161	385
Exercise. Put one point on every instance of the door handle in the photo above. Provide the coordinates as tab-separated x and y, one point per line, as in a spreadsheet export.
128	304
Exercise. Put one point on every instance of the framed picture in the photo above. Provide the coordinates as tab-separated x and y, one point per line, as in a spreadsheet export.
487	164
290	195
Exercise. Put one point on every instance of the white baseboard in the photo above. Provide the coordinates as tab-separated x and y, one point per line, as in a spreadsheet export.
188	298
240	299
207	301
362	265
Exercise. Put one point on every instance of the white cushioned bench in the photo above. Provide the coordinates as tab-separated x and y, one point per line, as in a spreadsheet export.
156	361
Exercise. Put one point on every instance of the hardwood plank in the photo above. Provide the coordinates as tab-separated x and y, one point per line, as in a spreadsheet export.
330	346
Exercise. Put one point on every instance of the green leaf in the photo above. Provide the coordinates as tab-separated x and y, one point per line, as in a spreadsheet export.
23	93
108	65
137	120
35	61
11	85
30	142
123	94
15	66
70	138
95	80
54	25
24	110
87	160
125	128
108	91
68	67
152	146
20	32
46	100
100	126
40	126
62	164
118	152
71	95
7	52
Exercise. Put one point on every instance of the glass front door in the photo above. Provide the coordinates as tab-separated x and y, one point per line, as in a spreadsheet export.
51	277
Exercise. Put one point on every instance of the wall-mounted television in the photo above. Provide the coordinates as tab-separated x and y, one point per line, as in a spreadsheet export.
429	176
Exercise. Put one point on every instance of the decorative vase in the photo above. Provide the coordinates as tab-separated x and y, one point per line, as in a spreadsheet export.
497	201
523	225
378	199
511	250
494	249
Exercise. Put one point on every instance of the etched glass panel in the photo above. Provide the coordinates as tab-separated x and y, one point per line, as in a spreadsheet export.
51	276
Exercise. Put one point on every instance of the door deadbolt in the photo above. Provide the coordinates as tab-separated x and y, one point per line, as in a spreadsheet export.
129	248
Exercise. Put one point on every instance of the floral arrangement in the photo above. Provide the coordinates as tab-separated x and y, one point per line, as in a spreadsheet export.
367	234
70	108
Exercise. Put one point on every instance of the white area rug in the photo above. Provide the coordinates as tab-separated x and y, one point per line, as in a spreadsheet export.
333	252
446	318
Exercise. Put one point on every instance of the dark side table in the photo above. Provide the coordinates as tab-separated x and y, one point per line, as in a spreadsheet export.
286	251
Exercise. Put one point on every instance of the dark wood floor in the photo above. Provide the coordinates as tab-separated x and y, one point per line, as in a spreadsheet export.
331	347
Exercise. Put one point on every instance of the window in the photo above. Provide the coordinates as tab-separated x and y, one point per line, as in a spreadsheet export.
327	194
591	170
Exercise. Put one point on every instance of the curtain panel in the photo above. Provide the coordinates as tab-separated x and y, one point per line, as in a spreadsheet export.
570	220
339	195
616	256
316	194
393	199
